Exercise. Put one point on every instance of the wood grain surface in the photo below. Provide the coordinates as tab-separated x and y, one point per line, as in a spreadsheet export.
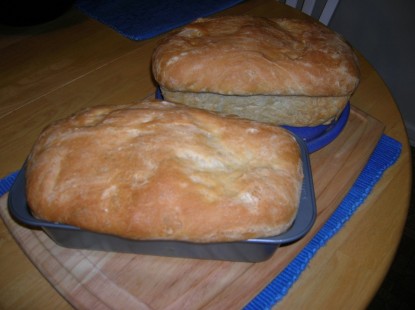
50	71
126	281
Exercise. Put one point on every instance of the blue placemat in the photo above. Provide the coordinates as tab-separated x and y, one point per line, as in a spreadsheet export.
385	154
144	19
7	182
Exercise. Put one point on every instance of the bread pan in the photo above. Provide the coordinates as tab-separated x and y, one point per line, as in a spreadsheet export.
252	250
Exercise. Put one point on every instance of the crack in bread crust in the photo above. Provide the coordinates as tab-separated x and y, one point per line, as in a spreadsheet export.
278	110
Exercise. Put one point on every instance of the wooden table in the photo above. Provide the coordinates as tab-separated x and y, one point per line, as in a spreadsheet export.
47	72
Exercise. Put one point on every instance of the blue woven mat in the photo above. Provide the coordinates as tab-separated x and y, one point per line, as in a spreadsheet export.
7	182
144	19
385	154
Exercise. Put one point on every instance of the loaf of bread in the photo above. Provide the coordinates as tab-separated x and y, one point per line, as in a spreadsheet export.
158	170
281	71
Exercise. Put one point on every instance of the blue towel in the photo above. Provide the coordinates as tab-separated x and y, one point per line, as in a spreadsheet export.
385	154
144	19
7	182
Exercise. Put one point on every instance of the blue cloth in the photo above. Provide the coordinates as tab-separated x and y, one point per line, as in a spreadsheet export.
7	182
385	154
144	19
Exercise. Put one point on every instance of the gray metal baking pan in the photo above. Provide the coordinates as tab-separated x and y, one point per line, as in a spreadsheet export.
251	250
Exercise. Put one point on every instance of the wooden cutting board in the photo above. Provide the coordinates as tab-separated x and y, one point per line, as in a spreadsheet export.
92	279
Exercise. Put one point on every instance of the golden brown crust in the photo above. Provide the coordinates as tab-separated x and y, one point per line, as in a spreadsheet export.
244	55
158	170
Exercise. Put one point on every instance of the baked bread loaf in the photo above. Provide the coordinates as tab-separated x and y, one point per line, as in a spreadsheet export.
282	71
158	170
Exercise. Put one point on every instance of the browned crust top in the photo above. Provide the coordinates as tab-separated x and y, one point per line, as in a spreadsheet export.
244	55
158	170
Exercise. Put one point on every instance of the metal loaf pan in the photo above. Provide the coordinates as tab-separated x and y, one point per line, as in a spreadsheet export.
252	250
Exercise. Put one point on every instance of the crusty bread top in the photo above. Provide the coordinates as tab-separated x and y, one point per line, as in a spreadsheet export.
158	170
244	55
